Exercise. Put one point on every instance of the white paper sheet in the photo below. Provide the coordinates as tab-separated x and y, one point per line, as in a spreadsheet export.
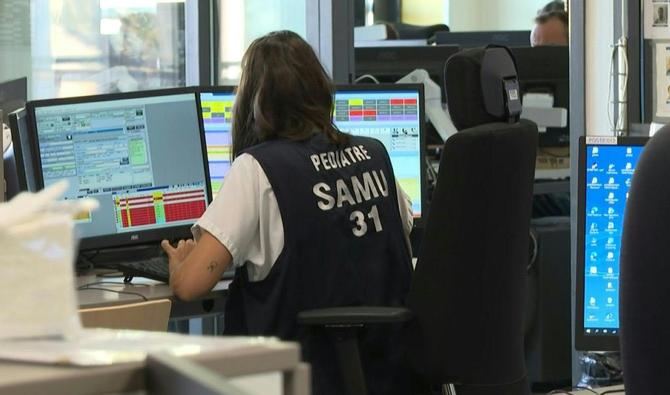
37	252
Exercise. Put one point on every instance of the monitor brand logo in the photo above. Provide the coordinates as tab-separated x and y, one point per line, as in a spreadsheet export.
604	140
134	237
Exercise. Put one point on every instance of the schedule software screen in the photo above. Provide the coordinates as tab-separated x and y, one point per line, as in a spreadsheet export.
609	170
217	115
393	118
141	158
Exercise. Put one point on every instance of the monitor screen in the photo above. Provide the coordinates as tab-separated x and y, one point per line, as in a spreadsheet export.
140	155
606	179
217	115
392	114
545	70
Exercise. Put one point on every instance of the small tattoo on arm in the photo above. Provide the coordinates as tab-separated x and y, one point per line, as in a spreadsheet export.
212	265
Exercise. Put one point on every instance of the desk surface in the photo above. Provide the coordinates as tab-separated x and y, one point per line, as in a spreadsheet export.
618	390
111	291
102	292
23	378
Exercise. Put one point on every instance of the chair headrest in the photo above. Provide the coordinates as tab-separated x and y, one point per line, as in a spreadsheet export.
482	87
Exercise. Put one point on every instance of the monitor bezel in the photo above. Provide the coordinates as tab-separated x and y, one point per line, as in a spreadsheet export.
585	342
17	144
222	89
121	240
418	221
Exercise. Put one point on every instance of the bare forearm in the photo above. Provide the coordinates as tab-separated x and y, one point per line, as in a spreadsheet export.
199	271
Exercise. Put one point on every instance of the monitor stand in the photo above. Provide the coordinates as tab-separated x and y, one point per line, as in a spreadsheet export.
600	369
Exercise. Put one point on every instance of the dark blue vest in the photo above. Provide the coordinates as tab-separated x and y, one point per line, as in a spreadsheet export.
343	246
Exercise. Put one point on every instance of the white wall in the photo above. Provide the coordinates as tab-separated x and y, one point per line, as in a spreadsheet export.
599	33
467	15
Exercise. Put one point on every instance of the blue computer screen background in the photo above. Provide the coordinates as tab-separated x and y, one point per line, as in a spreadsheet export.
609	170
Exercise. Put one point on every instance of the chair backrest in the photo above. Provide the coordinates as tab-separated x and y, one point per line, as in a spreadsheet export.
468	290
147	316
644	291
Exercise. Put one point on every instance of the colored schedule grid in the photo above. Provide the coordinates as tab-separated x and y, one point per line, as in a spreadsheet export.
373	107
219	165
158	206
217	111
218	136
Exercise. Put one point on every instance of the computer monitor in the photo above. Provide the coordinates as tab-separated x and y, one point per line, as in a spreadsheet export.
389	64
606	167
474	39
546	69
393	114
141	155
217	115
20	159
13	96
402	134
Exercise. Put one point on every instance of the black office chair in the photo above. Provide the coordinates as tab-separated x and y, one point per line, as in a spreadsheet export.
467	299
645	270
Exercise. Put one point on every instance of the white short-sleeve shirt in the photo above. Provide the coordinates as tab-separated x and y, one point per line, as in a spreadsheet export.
245	218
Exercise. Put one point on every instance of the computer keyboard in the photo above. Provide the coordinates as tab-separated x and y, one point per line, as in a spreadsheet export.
155	268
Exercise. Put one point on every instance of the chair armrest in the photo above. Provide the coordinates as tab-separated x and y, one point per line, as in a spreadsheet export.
354	316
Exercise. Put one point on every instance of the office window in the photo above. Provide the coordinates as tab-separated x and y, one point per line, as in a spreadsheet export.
241	21
81	47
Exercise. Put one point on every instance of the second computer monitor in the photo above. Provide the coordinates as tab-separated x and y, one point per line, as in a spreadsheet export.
217	116
546	70
390	113
140	155
393	114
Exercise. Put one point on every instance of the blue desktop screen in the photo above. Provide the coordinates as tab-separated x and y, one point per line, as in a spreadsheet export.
391	117
609	170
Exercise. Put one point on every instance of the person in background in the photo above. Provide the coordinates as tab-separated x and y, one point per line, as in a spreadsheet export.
551	25
551	28
308	216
